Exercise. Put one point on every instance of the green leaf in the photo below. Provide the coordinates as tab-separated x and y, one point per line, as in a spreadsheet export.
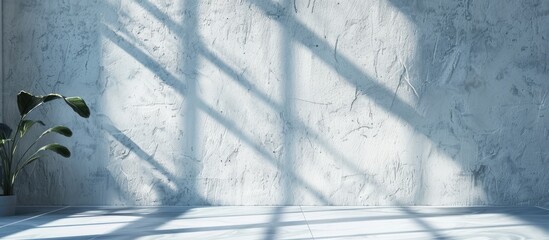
52	96
27	102
79	106
5	131
57	148
65	131
26	125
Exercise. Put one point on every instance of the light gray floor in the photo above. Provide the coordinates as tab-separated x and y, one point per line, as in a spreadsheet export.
276	223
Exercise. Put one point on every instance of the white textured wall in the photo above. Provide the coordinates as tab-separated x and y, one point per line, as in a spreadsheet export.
258	102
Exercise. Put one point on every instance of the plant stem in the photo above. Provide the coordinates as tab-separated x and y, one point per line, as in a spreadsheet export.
5	181
9	179
26	151
6	186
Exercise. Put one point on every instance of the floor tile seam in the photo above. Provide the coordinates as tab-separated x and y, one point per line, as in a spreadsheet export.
546	209
33	217
307	222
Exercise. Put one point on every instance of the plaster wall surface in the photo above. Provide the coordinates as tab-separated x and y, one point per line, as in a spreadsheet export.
257	102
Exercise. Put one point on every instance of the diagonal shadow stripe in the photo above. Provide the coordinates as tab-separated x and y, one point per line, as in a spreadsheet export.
354	75
240	80
380	94
142	57
108	126
136	53
231	126
327	56
351	73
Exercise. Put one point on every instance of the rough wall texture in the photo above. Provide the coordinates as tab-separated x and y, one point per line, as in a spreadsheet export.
257	102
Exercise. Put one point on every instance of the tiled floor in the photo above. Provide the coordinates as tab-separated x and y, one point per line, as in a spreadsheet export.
276	223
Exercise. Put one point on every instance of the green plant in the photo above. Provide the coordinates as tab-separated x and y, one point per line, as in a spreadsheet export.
14	159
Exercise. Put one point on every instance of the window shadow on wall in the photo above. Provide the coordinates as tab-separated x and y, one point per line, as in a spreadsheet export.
344	66
480	59
293	33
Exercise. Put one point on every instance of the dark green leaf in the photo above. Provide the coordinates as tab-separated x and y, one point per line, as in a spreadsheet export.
65	131
52	96
5	131
57	148
26	125
78	105
27	102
